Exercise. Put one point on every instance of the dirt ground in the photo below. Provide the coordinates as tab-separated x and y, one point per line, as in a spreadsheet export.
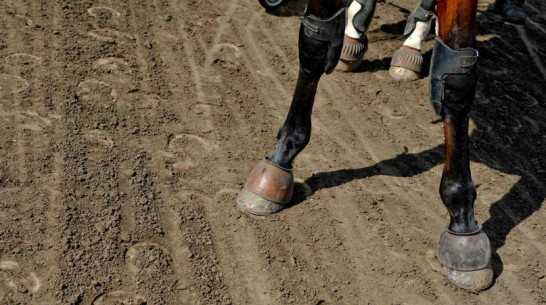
128	127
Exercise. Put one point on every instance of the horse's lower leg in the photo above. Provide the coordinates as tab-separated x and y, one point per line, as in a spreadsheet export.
270	184
355	42
407	61
463	248
296	130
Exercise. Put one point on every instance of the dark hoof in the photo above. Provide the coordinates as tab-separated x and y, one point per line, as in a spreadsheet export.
268	188
406	64
466	259
352	53
511	13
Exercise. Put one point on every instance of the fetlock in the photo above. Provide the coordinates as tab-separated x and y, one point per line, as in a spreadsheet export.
423	12
363	17
291	140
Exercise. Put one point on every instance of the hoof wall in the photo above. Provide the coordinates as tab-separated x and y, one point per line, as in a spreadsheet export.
348	66
474	281
402	74
466	259
352	53
406	64
253	204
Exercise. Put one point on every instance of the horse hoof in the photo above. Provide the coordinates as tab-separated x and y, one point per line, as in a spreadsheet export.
466	259
352	53
406	64
253	204
402	74
348	66
475	281
268	188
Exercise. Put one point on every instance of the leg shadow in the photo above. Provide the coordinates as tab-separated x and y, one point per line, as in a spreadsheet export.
518	204
403	165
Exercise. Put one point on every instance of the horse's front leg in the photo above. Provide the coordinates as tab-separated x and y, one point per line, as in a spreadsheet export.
407	61
463	248
270	184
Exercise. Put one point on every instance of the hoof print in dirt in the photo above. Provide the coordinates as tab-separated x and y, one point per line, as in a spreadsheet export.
148	257
119	297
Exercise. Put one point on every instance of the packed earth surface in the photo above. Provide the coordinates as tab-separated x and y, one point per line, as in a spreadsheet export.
127	129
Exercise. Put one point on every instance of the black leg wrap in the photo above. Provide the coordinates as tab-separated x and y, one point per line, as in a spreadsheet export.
362	19
464	252
453	74
423	11
328	31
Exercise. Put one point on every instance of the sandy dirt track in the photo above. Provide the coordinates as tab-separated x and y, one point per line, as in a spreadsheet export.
128	127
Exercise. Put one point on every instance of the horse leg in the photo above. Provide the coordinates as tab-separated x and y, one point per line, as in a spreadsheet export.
270	184
463	248
355	42
407	61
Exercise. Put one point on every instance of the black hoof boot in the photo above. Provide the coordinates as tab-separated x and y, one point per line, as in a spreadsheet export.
466	259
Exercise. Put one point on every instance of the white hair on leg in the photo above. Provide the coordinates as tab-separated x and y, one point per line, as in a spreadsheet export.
349	28
422	28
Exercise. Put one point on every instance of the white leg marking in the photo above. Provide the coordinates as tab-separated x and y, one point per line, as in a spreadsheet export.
418	35
349	28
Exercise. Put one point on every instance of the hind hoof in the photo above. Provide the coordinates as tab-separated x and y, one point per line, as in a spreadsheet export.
406	64
466	259
402	74
348	66
474	281
352	53
268	188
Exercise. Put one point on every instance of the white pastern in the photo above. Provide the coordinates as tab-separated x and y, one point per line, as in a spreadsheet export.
351	12
416	38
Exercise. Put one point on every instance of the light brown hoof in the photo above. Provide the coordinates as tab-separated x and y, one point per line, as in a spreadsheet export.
352	53
466	259
406	64
268	188
402	74
348	66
